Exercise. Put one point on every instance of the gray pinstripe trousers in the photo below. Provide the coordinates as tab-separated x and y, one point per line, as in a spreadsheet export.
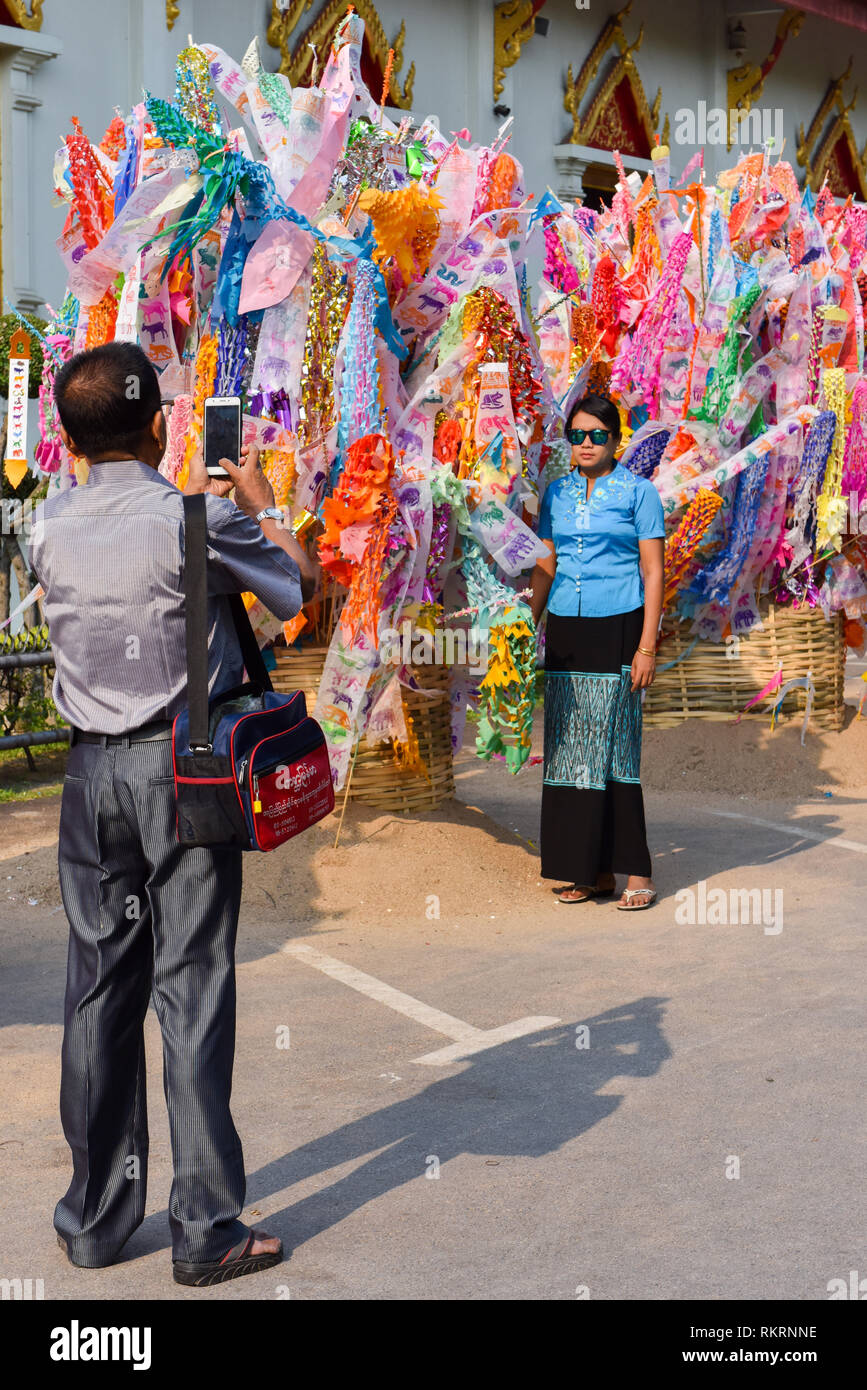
146	915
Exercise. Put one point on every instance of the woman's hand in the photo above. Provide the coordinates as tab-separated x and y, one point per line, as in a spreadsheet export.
643	671
541	580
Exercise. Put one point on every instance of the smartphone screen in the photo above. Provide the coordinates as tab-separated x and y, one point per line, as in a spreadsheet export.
222	433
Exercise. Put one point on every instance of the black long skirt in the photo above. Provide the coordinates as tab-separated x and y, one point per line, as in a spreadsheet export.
592	806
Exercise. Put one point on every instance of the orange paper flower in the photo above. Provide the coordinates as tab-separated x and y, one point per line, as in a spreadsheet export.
406	227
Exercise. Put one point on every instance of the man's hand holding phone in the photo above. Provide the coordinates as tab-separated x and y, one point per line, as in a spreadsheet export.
199	480
253	492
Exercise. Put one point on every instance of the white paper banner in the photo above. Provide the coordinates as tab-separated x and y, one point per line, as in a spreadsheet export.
126	328
19	376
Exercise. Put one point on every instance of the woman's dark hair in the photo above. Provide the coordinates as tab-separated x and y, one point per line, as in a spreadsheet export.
602	407
107	397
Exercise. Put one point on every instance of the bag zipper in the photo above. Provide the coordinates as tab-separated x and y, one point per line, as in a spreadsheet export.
238	778
256	805
264	771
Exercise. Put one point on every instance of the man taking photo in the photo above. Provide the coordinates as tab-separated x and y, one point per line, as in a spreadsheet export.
147	915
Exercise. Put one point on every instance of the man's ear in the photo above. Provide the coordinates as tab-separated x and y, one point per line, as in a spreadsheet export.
158	428
73	448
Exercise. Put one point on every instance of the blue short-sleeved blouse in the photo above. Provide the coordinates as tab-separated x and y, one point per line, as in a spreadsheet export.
598	572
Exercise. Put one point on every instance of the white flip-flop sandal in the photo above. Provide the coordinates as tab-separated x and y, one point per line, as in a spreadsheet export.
630	893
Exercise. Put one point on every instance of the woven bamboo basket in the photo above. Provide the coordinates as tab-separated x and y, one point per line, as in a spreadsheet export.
716	679
377	780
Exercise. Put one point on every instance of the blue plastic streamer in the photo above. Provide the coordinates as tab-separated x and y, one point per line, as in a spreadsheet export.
231	358
811	477
227	294
359	386
686	651
124	179
265	204
716	580
746	276
715	241
34	331
644	458
218	189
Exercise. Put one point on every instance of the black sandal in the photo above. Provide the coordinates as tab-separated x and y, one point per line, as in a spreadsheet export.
233	1265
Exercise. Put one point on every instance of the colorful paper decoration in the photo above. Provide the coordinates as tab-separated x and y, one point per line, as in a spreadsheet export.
364	287
15	465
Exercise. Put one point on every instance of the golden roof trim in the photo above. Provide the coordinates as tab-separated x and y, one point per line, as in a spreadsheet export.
612	32
841	128
815	161
27	20
514	25
834	94
745	84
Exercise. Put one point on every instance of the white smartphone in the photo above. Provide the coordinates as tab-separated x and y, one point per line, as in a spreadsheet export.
222	433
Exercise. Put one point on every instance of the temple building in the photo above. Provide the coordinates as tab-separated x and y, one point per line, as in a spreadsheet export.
577	80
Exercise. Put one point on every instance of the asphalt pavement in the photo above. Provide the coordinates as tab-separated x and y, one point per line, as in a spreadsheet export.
561	1103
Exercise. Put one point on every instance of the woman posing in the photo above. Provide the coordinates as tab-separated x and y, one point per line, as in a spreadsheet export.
603	584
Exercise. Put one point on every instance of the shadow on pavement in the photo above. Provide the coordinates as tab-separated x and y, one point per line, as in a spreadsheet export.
525	1098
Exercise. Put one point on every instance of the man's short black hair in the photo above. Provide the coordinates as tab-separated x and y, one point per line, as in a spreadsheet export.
602	407
107	397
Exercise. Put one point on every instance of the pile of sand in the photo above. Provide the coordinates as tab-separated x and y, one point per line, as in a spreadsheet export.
457	851
381	858
750	759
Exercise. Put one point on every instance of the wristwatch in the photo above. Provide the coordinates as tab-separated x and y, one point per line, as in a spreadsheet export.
274	512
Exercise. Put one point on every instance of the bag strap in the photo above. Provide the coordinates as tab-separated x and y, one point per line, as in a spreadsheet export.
195	608
195	611
253	659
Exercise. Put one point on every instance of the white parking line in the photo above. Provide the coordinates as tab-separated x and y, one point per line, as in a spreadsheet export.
793	829
467	1039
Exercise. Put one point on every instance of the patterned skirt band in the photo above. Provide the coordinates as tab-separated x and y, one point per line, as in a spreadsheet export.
592	805
592	714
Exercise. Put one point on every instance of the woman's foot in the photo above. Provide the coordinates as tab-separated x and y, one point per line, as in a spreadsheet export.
639	893
581	894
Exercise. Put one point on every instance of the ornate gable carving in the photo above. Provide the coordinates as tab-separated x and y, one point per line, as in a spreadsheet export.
618	116
829	150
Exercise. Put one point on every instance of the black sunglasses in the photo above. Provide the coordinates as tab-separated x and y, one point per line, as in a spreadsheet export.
597	437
